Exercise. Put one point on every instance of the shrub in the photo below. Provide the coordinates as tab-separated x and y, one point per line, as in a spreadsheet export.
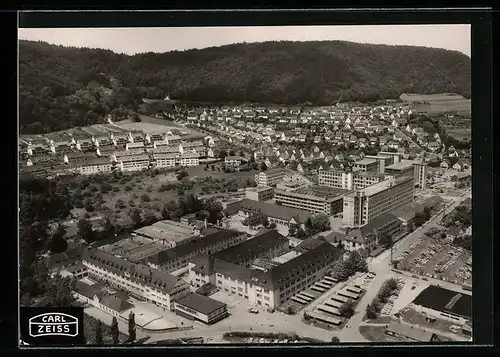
128	188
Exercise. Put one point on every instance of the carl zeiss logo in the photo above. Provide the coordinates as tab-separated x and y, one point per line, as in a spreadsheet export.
52	326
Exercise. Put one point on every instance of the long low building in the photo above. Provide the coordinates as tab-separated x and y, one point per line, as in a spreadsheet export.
201	308
171	233
153	285
178	257
266	245
285	216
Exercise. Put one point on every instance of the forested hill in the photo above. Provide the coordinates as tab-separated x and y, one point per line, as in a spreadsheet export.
61	87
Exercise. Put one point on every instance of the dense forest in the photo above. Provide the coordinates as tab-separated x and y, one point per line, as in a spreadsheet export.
61	87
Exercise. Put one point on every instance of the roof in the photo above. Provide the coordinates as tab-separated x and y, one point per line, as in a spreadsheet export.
200	303
193	245
206	289
252	248
401	165
405	212
378	223
365	162
275	211
115	302
135	272
167	230
409	331
322	254
383	185
237	272
444	300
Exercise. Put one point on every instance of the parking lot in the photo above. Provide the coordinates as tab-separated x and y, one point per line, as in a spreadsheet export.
437	259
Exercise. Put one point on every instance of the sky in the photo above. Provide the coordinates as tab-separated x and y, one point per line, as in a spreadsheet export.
138	40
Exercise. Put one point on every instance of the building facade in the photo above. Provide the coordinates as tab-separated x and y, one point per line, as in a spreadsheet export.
270	177
364	205
348	180
259	193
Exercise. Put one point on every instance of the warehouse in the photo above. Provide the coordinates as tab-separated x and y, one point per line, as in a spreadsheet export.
444	304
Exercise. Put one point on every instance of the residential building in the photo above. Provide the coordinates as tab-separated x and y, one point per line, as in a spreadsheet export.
233	160
270	177
133	162
316	199
200	308
152	285
266	245
364	205
259	193
95	166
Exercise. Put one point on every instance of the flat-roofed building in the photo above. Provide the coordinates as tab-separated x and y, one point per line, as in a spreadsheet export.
266	245
161	160
364	205
367	165
188	159
270	177
179	256
396	156
383	161
233	160
259	193
155	286
171	233
316	199
348	180
401	168
201	308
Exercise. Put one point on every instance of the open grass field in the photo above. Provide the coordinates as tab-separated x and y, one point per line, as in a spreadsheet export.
152	125
460	134
439	103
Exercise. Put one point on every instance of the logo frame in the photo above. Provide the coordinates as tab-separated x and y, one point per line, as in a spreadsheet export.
74	321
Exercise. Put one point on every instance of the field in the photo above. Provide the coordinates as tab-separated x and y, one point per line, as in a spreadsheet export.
436	104
460	134
153	125
140	191
423	261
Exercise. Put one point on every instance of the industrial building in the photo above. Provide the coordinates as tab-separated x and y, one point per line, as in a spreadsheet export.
200	308
153	285
348	180
170	233
410	168
266	245
178	257
315	199
367	165
259	193
364	205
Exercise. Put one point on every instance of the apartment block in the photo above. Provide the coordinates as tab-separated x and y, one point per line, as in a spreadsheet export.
348	180
315	199
270	177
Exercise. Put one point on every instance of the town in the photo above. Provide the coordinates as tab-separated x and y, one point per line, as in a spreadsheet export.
339	224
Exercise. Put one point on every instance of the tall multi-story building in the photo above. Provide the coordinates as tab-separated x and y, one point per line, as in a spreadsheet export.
348	180
153	285
270	177
420	174
364	205
410	168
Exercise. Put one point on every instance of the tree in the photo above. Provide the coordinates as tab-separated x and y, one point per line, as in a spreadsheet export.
115	333
98	333
265	221
107	226
301	234
135	216
131	326
371	311
341	270
145	198
410	226
320	223
385	240
231	153
427	213
223	154
263	166
419	219
272	225
85	230
335	339
58	243
347	309
292	231
356	263
149	218
182	174
165	213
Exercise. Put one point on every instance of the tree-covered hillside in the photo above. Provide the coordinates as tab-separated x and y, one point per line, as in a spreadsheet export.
62	87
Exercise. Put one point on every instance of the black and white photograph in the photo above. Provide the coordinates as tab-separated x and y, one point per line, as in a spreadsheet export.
261	185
